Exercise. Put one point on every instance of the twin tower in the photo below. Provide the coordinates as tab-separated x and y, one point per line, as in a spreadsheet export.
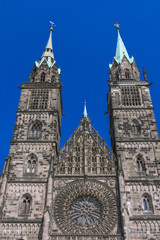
84	191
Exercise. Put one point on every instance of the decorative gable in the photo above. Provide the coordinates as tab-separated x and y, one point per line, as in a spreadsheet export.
85	153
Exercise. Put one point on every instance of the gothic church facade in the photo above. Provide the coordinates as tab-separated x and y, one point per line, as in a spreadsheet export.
84	191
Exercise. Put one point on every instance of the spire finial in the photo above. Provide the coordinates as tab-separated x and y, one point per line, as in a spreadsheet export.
52	23
117	25
85	110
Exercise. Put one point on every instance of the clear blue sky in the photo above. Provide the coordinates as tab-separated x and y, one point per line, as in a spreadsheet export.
84	42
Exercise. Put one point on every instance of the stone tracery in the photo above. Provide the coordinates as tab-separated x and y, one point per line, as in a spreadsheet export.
85	211
86	207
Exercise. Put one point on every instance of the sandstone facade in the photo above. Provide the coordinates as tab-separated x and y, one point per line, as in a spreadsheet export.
84	191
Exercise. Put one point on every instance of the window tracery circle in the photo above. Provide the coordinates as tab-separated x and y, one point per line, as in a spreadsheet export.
85	207
85	211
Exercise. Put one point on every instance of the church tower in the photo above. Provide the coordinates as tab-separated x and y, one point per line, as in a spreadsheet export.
52	194
26	180
136	145
85	191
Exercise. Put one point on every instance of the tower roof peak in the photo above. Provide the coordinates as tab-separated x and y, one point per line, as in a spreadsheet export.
121	50
85	115
48	51
117	25
48	54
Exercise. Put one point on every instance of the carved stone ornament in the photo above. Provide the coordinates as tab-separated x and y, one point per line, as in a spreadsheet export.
86	207
111	183
59	184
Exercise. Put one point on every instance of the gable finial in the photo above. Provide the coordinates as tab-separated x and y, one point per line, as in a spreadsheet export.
85	115
117	25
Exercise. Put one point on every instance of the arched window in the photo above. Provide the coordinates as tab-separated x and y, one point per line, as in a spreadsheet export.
127	74
52	78
94	164
70	163
147	203
62	168
102	164
43	77
136	128
36	130
31	164
117	76
25	204
141	164
77	165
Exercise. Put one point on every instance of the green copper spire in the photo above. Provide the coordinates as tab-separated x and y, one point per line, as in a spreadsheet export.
85	110
121	50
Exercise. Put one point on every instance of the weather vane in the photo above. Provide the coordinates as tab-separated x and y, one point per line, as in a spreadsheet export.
117	25
52	23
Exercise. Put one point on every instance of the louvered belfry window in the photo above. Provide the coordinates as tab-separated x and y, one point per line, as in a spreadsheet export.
130	96
39	99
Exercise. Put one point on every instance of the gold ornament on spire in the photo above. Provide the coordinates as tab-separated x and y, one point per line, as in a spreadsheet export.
117	25
52	23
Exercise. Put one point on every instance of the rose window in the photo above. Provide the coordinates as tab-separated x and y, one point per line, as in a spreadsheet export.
85	207
85	211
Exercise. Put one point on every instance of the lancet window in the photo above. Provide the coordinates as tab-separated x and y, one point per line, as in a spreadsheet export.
36	130
147	203
94	164
102	165
136	128
62	168
43	77
52	78
31	164
70	165
141	164
127	74
77	165
25	205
